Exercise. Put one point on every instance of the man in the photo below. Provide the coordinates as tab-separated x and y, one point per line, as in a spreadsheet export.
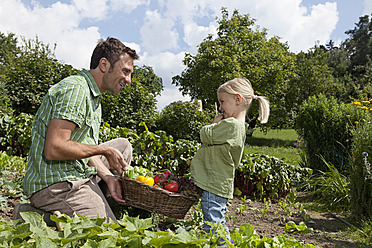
65	158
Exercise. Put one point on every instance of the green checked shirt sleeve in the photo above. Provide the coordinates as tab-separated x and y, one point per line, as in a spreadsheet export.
77	99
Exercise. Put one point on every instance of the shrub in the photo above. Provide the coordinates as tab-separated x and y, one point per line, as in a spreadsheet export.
326	126
15	133
183	120
361	172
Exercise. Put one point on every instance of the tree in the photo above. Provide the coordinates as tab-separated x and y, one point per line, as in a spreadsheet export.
239	50
8	47
30	73
313	76
183	120
136	102
359	44
147	77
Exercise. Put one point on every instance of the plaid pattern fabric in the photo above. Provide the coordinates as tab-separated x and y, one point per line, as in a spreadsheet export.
77	99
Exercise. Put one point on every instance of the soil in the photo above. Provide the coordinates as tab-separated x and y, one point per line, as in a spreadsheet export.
326	227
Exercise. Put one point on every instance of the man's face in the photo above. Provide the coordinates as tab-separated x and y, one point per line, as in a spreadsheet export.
118	76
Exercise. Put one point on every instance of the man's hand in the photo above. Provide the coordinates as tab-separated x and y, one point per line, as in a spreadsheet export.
116	160
114	185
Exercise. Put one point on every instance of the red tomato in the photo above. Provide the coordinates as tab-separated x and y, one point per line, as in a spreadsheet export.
172	186
167	173
158	178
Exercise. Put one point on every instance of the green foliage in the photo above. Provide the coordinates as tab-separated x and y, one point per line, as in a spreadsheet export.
292	227
8	47
183	120
240	49
313	76
30	73
15	133
148	79
326	127
80	231
330	188
263	176
361	172
12	162
155	151
12	169
136	102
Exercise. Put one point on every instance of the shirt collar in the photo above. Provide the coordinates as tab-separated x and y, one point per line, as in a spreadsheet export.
92	84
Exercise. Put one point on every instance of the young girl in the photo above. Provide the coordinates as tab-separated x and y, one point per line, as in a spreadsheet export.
214	164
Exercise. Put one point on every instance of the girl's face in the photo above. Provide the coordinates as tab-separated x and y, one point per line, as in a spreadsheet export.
228	104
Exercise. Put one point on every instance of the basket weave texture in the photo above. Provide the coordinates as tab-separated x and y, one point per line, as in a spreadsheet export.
160	201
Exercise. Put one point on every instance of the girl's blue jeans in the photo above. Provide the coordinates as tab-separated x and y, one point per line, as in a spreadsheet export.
214	209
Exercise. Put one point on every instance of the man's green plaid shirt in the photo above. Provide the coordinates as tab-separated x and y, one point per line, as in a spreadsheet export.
77	99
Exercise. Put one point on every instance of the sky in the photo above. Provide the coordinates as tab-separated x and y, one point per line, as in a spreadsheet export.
162	31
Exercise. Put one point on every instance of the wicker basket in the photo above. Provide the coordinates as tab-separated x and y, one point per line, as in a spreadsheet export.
156	200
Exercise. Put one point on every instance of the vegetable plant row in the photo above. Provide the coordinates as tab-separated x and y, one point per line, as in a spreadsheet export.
79	231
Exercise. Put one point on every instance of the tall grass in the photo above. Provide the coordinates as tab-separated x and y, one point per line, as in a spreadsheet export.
277	143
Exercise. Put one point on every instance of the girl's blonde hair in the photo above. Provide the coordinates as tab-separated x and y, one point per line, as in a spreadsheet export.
244	88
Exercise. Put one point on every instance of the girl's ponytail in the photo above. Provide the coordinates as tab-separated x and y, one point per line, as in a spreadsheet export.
264	108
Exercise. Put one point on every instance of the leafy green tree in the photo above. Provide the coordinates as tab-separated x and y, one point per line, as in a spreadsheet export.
136	102
359	44
147	77
239	50
8	47
313	76
183	120
29	74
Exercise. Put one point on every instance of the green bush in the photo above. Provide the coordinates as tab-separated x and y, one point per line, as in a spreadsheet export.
361	171
15	133
326	127
155	151
132	106
183	120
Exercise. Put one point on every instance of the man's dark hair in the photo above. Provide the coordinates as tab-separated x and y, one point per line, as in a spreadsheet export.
111	49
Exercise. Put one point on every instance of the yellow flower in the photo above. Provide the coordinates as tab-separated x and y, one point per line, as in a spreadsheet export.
347	115
356	122
364	107
366	102
356	103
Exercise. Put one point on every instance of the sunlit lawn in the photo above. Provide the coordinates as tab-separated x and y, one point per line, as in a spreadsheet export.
278	143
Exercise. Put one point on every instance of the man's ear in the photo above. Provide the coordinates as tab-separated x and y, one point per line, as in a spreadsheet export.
104	65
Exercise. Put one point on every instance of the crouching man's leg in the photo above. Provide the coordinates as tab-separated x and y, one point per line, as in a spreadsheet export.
81	196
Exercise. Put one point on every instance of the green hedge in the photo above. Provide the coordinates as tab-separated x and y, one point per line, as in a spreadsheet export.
361	171
326	127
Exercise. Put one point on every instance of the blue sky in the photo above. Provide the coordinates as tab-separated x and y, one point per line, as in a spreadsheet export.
162	31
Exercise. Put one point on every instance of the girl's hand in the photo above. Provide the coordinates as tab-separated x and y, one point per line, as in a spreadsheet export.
218	118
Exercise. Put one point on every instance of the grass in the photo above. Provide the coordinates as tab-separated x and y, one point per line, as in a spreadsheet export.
277	143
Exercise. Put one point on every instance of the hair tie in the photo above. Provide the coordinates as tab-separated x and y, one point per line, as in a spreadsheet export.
255	97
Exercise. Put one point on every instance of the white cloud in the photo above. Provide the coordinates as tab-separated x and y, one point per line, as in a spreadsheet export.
169	95
127	5
194	34
166	65
158	33
91	8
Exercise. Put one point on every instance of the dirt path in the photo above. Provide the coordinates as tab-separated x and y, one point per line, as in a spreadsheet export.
270	220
